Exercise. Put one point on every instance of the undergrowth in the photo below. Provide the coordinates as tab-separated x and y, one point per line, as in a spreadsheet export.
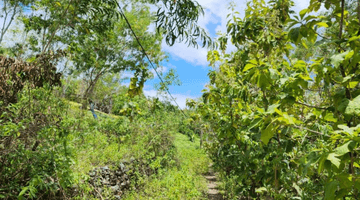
184	180
50	145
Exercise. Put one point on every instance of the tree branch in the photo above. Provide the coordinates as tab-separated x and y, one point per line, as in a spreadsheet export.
310	106
5	28
53	34
304	128
342	18
358	12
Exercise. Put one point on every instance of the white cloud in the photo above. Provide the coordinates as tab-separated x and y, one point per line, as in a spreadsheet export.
192	55
180	98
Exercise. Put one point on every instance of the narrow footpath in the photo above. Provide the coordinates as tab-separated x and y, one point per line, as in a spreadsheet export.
213	191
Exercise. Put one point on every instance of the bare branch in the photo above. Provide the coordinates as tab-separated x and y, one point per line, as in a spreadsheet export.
304	128
6	27
310	106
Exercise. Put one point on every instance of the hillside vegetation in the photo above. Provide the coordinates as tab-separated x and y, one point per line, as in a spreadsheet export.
279	119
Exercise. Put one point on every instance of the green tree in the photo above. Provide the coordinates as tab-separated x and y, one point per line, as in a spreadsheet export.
281	119
113	51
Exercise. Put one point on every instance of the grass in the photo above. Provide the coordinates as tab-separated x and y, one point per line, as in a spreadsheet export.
183	181
94	148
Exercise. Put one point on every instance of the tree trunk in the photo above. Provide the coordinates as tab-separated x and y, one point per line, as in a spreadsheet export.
90	89
201	138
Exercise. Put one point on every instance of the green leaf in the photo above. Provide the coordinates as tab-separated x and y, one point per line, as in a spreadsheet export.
340	151
260	190
303	12
272	108
346	129
322	24
23	191
353	84
337	59
330	117
255	123
268	133
322	163
354	38
304	44
297	188
353	107
248	66
343	105
333	159
295	35
330	189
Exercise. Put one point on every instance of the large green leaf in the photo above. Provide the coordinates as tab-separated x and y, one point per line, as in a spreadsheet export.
343	149
333	159
353	107
322	24
272	108
268	133
337	59
294	35
330	117
330	189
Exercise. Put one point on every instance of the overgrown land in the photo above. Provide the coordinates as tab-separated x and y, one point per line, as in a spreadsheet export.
279	118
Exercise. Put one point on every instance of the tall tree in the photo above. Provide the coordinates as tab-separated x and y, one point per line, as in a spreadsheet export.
115	50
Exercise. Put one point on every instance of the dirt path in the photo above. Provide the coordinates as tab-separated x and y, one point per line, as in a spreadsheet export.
213	191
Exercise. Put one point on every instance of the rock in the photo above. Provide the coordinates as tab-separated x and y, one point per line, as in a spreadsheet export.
122	166
105	182
125	177
123	185
115	188
117	180
92	173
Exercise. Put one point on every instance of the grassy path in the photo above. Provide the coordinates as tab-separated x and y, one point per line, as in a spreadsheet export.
213	191
183	181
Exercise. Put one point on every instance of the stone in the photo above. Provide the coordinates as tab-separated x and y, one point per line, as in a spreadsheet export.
125	177
92	173
105	182
115	188
123	184
122	166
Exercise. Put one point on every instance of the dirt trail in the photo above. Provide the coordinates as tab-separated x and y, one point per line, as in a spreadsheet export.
213	191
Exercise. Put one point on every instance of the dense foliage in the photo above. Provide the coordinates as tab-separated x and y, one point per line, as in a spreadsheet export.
284	106
280	117
75	51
